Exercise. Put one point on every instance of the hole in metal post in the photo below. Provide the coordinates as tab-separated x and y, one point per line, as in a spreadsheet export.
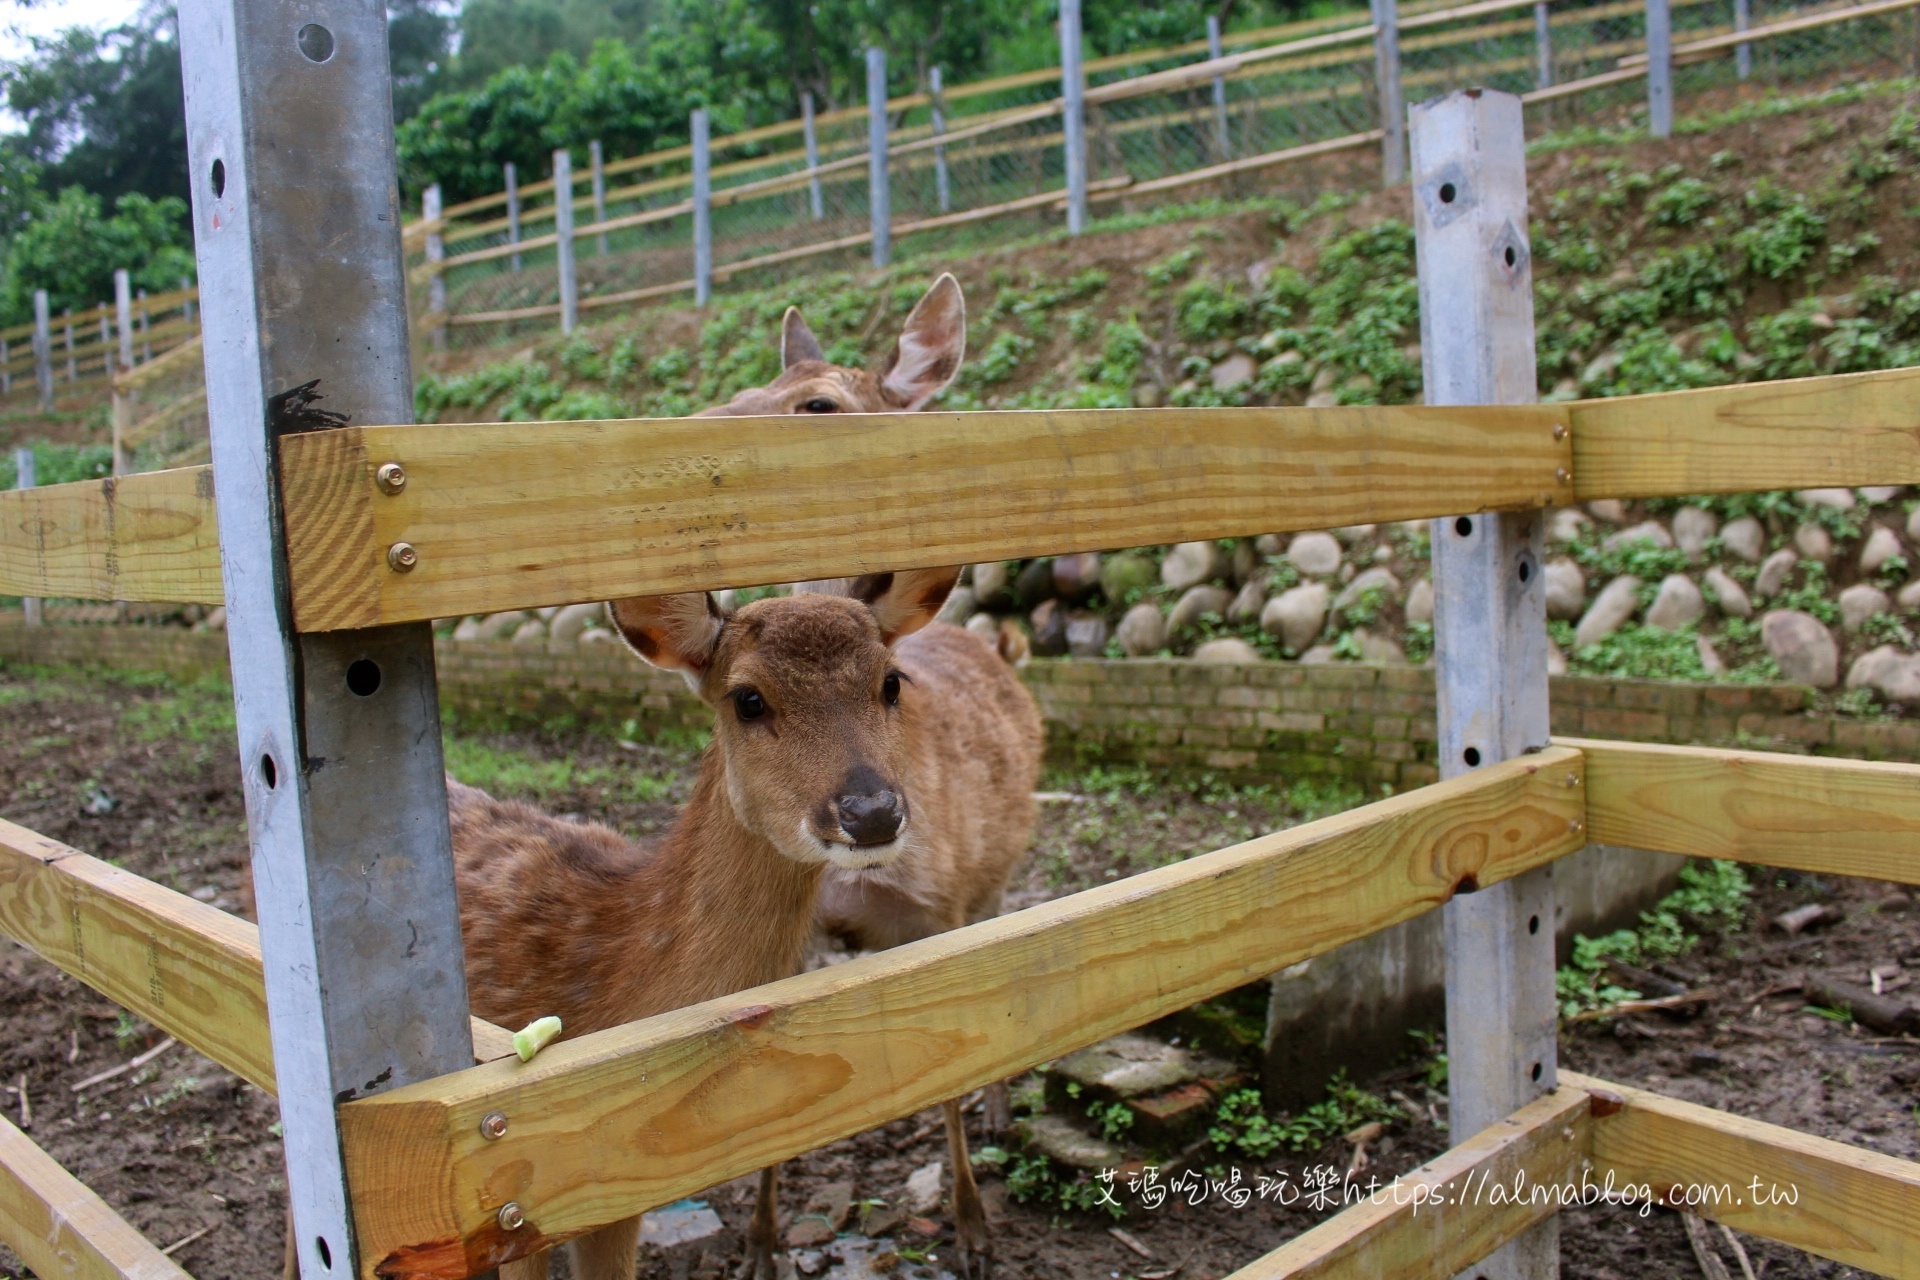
1511	257
363	677
315	42
1533	924
269	772
219	178
1526	571
1472	756
326	1254
1537	1071
1463	526
1447	193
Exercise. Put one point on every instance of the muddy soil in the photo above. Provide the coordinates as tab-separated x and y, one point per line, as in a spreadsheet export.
144	773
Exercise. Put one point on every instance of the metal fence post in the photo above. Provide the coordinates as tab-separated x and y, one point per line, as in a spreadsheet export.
815	198
186	308
943	191
879	193
1490	638
1543	46
145	324
42	348
73	365
599	189
1386	59
699	132
23	478
1215	50
1743	53
6	369
512	174
436	251
1073	106
353	870
1660	68
563	238
123	315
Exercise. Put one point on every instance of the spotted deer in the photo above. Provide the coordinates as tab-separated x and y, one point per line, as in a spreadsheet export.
866	762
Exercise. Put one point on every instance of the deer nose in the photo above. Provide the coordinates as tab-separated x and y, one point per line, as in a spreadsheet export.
869	810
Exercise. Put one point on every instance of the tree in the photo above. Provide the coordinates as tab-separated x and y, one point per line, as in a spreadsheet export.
419	46
71	249
498	34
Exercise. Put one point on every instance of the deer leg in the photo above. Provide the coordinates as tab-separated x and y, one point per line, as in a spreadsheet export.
763	1233
996	1109
290	1265
611	1253
531	1267
969	1215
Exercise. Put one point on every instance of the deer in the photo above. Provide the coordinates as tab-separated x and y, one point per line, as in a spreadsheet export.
855	737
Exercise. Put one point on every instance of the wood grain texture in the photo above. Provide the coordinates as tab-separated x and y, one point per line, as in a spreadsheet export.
139	537
188	968
63	1231
513	515
1439	1219
1836	817
1850	429
637	1116
1860	1208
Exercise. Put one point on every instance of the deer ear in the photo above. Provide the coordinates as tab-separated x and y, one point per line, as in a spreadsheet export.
797	342
931	345
674	633
902	603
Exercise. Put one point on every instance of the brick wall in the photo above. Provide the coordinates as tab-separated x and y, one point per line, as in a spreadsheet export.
1371	724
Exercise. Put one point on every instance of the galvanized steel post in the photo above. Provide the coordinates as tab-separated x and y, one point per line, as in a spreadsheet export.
699	130
1543	47
43	348
1490	622
815	198
339	732
436	252
1743	53
1073	105
1216	51
1660	68
511	173
23	478
879	193
599	189
123	315
563	239
1393	116
943	192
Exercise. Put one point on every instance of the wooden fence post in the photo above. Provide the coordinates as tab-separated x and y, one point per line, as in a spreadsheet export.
436	251
811	138
699	130
879	192
1073	106
339	732
942	188
1660	68
1386	61
1543	46
563	238
1490	638
123	315
512	175
595	158
23	478
1222	146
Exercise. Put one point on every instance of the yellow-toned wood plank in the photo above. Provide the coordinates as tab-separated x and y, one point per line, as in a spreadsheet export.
1443	1217
1851	429
639	1115
1860	1208
62	1230
184	966
140	537
1836	817
510	514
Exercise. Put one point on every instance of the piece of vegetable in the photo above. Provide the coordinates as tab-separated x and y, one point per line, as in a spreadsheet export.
535	1036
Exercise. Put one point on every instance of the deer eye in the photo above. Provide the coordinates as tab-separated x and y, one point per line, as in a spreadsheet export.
890	688
819	404
748	704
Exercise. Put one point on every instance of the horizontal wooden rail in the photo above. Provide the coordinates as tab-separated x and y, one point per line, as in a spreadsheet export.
1859	1208
504	516
188	968
140	537
1835	817
637	1116
1432	1222
62	1230
1847	429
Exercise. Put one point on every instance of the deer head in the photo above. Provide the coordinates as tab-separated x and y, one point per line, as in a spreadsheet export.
812	716
925	359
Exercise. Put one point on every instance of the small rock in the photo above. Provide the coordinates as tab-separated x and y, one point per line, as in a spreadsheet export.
1124	575
1556	660
1226	649
1148	395
532	631
960	606
1250	601
1913	525
1878	495
1867	670
1836	499
216	619
923	1188
1246	562
1378	580
1678	603
1198	601
808	1262
1419	607
1773	572
984	625
1191	563
1567	524
1076	577
834	1202
1710	658
1297	615
1235	371
1882	545
1320	655
1894	674
98	801
1746	538
1813	542
469	628
1728	595
1325	378
1616	603
1909	595
1802	647
1612	510
1314	554
1377	648
807	1230
681	1223
1323	400
1141	631
1049	624
991	583
879	1219
1566	588
1087	634
575	618
1692	526
1269	544
1704	1059
1033	583
1349	534
1057	1138
1646	531
598	635
1860	602
498	626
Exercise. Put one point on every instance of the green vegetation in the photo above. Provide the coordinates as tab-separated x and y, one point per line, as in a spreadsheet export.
1712	895
1242	1126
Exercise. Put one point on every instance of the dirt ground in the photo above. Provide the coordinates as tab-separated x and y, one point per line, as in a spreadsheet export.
143	772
